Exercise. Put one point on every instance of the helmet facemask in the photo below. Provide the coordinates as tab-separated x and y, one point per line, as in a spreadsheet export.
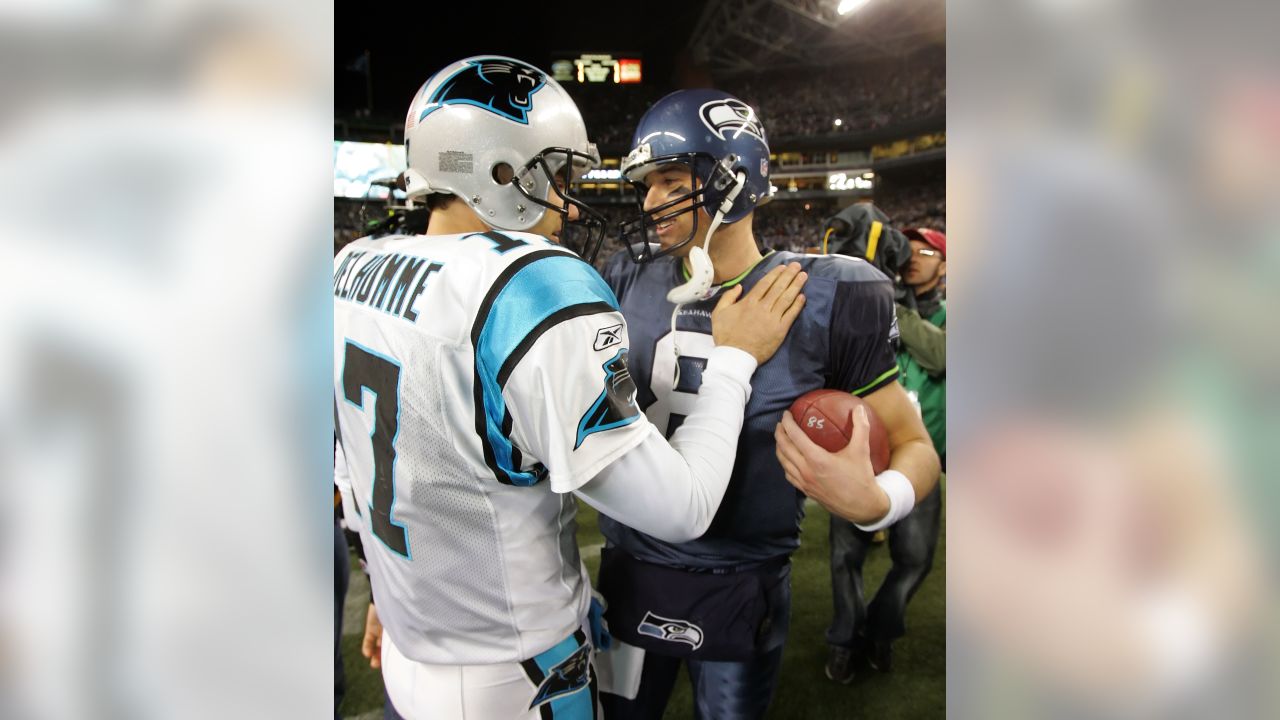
556	170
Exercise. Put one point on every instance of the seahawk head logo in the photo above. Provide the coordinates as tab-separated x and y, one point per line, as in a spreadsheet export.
503	87
671	630
730	118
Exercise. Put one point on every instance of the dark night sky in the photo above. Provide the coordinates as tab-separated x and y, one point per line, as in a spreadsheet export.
410	41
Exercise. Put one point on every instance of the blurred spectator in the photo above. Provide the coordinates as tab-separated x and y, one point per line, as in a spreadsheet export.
872	629
923	332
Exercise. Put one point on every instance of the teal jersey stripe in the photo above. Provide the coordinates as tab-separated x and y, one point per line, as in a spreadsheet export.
534	294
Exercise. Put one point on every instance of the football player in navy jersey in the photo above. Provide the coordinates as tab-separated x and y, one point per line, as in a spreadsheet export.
720	603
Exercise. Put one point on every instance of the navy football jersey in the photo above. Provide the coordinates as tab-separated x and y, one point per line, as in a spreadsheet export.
843	339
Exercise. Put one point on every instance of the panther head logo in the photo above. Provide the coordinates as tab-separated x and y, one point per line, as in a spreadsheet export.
733	117
571	675
503	87
616	405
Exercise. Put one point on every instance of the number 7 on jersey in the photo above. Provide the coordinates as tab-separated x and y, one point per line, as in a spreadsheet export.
364	369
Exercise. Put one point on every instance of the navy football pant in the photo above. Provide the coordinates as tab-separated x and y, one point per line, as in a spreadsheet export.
721	690
912	542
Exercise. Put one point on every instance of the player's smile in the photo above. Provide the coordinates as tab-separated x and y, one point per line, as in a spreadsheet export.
673	230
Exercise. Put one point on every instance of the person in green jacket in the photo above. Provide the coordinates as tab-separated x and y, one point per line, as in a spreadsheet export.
922	357
857	628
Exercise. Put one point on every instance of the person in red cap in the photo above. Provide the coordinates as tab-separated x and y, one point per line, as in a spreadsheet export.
922	318
870	630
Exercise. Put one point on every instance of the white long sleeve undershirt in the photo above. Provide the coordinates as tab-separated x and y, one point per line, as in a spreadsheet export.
672	490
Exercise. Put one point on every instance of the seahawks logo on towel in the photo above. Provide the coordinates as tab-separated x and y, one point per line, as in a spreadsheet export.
669	629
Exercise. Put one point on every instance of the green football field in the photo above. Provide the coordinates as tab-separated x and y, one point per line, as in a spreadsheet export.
915	689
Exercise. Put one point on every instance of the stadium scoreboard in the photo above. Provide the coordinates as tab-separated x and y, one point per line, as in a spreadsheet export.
591	68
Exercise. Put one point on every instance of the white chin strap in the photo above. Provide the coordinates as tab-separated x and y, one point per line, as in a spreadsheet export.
701	271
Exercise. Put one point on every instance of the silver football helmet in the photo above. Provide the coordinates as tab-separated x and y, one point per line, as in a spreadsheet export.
501	135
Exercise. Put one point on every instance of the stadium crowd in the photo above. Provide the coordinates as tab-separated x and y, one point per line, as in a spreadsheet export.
790	103
792	225
611	112
917	204
808	102
781	225
347	221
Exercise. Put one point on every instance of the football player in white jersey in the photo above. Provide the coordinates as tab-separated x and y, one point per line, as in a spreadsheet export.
481	379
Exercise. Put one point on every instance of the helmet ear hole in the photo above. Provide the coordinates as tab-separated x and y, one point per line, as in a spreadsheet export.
503	173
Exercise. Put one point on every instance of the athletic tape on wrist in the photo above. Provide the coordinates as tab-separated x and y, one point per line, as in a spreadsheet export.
902	498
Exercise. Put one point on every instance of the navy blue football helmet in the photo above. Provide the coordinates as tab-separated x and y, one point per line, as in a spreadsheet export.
718	137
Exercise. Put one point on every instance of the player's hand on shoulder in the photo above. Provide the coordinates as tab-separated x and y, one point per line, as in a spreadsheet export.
759	321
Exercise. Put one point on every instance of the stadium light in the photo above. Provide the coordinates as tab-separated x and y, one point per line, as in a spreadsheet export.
603	174
842	181
848	6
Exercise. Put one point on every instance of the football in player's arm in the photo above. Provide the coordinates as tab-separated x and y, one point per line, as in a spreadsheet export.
844	483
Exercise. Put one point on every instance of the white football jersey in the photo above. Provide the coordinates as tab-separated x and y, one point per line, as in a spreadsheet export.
479	378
